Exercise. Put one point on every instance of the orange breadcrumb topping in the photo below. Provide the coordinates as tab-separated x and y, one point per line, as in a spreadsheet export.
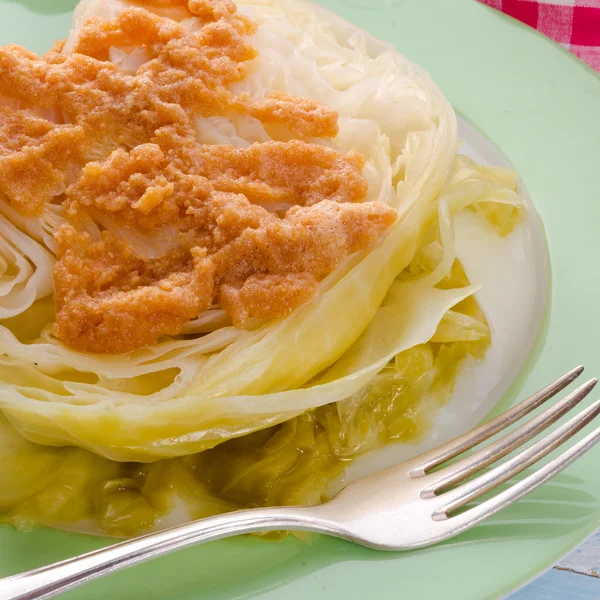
149	188
254	229
35	155
108	300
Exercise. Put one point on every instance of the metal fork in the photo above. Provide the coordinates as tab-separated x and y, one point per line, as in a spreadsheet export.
411	505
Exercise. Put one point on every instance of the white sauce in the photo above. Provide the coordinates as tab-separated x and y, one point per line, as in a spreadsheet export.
514	273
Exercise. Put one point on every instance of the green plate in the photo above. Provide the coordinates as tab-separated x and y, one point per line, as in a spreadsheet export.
539	105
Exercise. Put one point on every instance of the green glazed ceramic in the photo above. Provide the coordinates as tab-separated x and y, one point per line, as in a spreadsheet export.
539	105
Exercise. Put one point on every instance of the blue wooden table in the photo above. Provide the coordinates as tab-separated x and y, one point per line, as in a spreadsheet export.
576	577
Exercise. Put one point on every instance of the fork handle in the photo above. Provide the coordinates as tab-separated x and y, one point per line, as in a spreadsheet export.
62	576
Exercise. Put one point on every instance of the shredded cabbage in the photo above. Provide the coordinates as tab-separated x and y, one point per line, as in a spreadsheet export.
220	418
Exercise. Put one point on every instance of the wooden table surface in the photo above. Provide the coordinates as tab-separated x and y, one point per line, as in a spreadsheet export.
576	577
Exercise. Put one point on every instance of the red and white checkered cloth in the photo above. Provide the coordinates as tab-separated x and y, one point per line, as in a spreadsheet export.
574	24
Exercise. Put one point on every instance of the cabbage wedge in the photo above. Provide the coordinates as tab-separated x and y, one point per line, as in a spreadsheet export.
219	417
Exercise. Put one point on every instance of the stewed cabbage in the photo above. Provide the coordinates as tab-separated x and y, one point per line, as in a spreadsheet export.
219	417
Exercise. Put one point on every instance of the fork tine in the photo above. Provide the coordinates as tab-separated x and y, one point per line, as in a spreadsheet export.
484	510
477	487
493	452
457	446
